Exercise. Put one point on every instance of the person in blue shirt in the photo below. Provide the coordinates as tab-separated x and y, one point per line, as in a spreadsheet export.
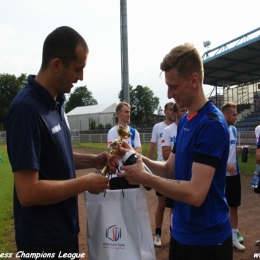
200	223
41	155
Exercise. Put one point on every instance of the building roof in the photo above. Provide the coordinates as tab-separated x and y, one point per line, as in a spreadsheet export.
239	62
95	109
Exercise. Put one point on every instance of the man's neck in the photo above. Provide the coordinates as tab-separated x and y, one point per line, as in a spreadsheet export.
197	104
168	122
45	80
123	124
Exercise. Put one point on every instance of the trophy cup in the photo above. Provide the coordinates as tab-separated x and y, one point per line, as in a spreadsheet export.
123	133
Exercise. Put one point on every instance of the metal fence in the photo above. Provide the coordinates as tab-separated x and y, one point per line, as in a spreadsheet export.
102	138
244	137
2	136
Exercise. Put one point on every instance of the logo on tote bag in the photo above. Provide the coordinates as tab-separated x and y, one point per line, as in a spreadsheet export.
113	233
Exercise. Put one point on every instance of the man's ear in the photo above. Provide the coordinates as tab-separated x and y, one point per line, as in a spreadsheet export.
56	64
195	80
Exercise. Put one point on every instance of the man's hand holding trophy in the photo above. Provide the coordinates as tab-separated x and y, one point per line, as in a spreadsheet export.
123	133
129	157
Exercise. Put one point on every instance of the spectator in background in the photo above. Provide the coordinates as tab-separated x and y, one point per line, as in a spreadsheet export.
257	133
157	140
170	132
168	140
233	182
123	113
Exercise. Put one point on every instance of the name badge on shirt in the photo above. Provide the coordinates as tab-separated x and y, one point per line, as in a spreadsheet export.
56	129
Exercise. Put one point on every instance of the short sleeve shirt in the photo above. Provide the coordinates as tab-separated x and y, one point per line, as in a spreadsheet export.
38	137
232	156
169	135
157	134
202	139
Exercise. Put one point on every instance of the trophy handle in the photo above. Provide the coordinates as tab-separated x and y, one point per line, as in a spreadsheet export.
103	171
123	133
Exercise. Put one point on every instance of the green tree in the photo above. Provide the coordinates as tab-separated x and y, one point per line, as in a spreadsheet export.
160	110
93	124
143	104
100	126
131	94
80	97
10	85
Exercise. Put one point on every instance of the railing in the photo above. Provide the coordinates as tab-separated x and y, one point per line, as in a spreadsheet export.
102	138
244	138
2	136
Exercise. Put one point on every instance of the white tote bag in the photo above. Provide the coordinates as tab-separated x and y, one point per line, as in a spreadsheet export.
118	226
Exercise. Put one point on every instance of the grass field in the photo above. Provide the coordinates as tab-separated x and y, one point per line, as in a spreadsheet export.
6	206
99	147
6	189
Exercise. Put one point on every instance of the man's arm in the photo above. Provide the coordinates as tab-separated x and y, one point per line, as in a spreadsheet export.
231	169
31	191
257	155
138	149
151	150
84	161
163	169
166	151
137	142
192	192
166	143
239	149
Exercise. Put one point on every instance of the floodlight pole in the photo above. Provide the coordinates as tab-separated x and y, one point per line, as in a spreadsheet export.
124	51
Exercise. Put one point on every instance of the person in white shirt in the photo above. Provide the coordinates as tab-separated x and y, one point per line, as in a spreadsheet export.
257	133
168	140
157	134
170	132
233	182
123	112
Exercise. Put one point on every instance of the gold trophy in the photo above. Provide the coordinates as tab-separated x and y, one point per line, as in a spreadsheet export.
123	133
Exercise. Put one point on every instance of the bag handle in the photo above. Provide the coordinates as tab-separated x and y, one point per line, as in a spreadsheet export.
122	188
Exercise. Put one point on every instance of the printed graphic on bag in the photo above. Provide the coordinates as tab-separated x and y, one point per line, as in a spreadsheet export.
113	233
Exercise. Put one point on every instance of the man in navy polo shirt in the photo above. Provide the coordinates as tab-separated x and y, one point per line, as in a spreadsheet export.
200	223
41	155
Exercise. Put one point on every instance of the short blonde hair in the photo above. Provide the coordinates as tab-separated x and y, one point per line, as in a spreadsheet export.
186	59
227	106
121	104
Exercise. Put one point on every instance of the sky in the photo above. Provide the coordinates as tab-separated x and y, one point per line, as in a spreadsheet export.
154	28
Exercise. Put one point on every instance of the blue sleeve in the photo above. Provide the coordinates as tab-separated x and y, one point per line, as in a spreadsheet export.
23	138
208	142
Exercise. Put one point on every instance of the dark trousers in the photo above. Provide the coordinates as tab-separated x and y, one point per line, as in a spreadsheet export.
179	251
47	251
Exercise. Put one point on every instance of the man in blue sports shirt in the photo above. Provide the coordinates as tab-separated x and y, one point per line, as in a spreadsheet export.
200	224
41	155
